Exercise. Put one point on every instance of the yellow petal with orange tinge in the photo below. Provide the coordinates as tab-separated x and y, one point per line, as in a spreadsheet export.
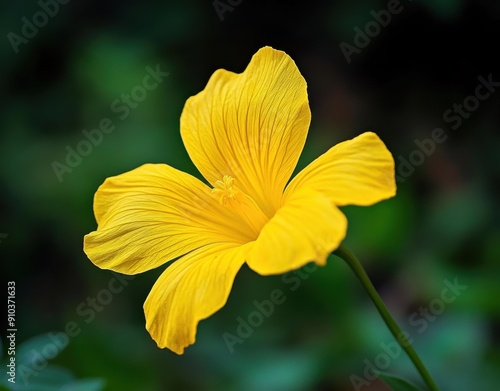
189	290
355	172
307	228
250	126
153	214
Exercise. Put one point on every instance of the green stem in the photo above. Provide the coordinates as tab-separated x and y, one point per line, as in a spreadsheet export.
357	268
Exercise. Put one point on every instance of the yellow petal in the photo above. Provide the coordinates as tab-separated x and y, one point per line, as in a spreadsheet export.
355	172
307	228
189	290
251	126
153	214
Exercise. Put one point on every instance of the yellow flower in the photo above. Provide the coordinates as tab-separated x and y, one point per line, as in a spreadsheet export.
244	133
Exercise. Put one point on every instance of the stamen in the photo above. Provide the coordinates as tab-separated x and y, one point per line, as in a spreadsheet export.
231	196
224	190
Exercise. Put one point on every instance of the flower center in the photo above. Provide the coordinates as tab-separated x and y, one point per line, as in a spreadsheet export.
231	196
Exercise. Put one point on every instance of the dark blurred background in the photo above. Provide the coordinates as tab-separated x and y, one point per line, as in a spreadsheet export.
410	77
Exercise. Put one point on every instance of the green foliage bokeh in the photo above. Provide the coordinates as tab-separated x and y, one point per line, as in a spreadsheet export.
442	225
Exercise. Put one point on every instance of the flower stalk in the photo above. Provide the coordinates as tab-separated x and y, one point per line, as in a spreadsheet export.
355	265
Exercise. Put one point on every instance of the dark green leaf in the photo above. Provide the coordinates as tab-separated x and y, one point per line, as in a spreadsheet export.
41	349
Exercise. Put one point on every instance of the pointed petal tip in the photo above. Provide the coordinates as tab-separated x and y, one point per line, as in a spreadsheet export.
176	348
321	260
